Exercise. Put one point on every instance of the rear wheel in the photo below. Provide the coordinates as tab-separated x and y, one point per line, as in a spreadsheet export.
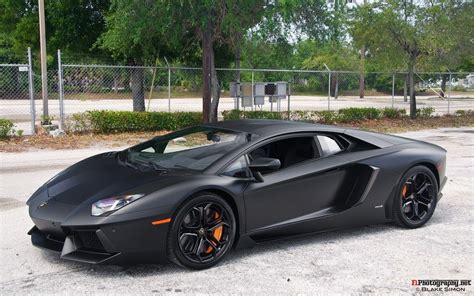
417	197
202	232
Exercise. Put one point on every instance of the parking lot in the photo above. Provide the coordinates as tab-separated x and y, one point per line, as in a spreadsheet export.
373	259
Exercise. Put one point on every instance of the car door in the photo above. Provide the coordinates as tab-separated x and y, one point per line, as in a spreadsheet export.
294	193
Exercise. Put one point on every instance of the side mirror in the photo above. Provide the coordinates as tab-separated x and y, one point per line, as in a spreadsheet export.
264	165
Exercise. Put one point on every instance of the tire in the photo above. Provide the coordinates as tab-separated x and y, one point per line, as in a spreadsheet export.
413	209
202	232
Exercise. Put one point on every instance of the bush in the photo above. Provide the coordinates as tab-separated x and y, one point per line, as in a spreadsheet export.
232	114
78	123
464	112
425	112
239	114
6	128
358	114
393	113
327	117
125	121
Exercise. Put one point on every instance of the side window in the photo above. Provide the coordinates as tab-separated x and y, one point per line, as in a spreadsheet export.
328	145
289	151
238	168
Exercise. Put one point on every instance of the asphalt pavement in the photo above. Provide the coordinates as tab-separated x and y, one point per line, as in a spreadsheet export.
379	259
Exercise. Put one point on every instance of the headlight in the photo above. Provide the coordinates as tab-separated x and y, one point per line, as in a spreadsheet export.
112	204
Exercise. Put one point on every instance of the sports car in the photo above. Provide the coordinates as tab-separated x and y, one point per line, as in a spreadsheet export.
193	195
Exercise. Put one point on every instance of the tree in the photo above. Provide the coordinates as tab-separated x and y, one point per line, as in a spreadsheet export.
408	29
211	23
457	56
134	36
337	56
72	26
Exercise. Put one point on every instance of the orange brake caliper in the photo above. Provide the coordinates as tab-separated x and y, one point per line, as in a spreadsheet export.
217	233
404	190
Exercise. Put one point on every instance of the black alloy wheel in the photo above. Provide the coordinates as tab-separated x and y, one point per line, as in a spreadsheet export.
202	232
417	200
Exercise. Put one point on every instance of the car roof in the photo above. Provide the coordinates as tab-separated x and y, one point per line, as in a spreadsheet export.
269	128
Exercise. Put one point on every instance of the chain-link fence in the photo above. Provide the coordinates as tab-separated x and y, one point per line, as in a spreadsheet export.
78	88
17	97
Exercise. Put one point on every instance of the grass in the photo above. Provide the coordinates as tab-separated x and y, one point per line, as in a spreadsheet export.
112	141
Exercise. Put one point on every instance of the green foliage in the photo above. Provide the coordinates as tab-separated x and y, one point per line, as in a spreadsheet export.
239	114
47	119
468	112
79	122
6	128
125	121
72	26
327	117
358	114
334	55
345	115
425	112
393	113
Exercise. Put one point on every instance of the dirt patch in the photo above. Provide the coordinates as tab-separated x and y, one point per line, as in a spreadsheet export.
405	124
74	141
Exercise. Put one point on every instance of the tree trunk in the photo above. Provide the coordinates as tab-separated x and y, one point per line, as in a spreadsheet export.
405	89
215	89
411	84
336	90
362	73
444	79
138	94
206	74
333	84
237	63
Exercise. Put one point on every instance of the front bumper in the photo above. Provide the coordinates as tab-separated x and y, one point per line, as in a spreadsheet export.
122	243
441	186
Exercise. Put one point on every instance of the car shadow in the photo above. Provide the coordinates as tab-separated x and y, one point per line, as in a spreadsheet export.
237	255
142	270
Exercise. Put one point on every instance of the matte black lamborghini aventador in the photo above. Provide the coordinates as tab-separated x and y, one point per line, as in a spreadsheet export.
192	195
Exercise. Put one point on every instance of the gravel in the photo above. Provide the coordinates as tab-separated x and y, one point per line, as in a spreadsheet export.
379	259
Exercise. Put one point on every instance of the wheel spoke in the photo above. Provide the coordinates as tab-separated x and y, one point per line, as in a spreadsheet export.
412	185
197	246
415	209
217	243
424	201
187	228
217	225
200	211
184	234
211	243
406	204
422	188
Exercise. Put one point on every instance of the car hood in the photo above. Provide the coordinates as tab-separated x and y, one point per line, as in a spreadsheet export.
99	177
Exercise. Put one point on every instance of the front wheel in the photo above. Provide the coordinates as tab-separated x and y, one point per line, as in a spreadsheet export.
417	197
202	232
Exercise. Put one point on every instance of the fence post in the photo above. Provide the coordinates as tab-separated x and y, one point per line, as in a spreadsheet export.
61	91
393	89
329	86
253	77
449	90
169	89
31	92
329	90
289	97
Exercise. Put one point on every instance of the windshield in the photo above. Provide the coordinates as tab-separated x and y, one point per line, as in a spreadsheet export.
194	148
